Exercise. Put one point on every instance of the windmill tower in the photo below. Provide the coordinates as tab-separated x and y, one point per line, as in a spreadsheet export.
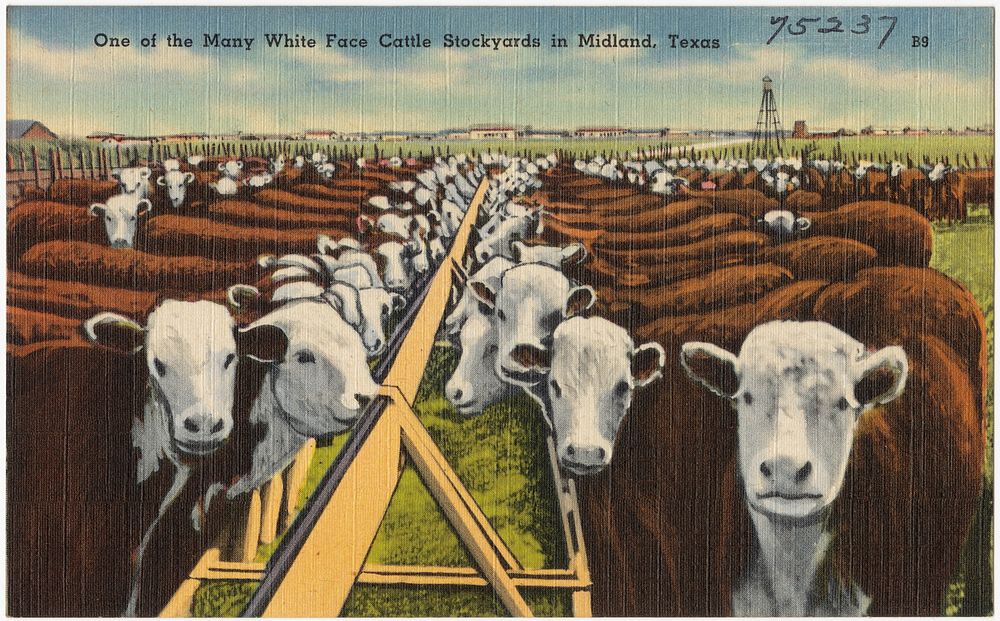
768	137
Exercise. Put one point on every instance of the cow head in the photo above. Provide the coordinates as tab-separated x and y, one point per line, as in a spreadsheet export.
191	349
176	183
120	215
231	169
531	300
396	262
133	180
323	382
549	255
589	376
798	389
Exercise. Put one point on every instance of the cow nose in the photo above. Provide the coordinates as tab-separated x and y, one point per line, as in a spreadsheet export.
119	243
377	345
786	470
197	422
363	400
585	455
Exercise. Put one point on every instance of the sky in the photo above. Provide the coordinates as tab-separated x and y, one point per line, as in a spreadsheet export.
57	75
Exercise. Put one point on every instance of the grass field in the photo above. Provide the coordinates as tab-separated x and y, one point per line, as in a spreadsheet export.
935	148
416	148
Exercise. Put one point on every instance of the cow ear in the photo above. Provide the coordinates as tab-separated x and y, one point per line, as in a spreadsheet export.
326	244
517	250
143	209
263	342
485	295
348	302
145	172
115	331
188	178
398	301
580	299
532	358
802	223
117	174
711	366
98	209
882	377
161	180
239	165
574	253
240	295
647	363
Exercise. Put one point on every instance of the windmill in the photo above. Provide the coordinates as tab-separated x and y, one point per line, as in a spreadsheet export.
768	137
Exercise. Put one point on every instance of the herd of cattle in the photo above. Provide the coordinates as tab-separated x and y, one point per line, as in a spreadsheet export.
938	191
800	431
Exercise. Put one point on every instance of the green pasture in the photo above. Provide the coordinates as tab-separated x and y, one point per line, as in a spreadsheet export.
416	148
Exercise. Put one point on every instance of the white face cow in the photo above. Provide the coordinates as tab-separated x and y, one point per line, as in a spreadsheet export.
377	306
589	374
176	183
133	180
782	223
225	186
171	164
191	350
549	255
531	300
496	238
323	382
232	169
121	215
798	389
396	260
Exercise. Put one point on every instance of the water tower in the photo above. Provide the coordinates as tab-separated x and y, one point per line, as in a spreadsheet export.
768	138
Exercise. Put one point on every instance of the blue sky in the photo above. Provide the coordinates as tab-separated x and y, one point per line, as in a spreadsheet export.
56	74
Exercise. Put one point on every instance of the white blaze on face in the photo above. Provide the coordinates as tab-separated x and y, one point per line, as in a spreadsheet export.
394	224
226	186
231	169
397	270
555	256
324	381
134	180
474	385
120	215
590	374
377	306
191	355
176	183
799	390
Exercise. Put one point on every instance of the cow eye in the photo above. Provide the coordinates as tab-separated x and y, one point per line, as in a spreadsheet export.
621	389
491	349
501	316
229	361
748	398
161	369
842	404
304	357
556	390
108	218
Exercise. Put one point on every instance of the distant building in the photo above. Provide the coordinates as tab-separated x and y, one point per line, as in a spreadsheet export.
650	133
189	137
547	134
600	132
106	137
799	130
395	137
26	128
320	134
503	132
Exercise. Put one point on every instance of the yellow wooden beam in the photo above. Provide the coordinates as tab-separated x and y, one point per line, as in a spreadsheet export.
320	579
432	466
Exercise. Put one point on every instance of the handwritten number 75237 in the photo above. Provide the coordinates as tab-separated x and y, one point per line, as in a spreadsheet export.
833	24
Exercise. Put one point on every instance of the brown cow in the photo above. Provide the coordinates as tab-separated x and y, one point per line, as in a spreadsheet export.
128	268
